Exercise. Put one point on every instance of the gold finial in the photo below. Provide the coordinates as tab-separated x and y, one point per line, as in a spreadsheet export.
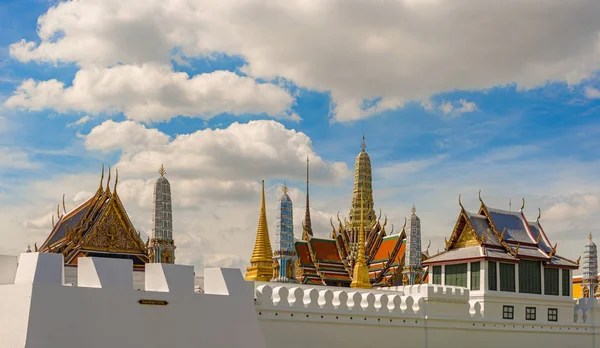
53	221
58	210
517	249
108	180
363	146
578	259
116	180
284	188
102	177
590	236
480	199
162	170
261	268
361	277
459	201
63	204
523	204
539	214
35	247
413	210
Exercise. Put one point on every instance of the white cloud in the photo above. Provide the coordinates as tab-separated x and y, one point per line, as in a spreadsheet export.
15	158
151	92
446	108
215	180
449	108
80	121
466	106
128	136
264	149
394	50
592	93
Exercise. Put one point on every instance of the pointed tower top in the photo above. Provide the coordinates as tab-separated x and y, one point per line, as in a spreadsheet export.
360	278
284	188
307	225
116	180
261	268
108	180
102	177
590	236
363	146
413	210
162	170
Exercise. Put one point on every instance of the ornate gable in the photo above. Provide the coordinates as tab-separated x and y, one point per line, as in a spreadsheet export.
113	232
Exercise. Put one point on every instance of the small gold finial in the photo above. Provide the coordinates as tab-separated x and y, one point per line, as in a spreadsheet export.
58	210
63	204
590	236
459	201
539	214
523	204
116	180
480	199
284	188
35	247
363	146
108	180
53	221
162	170
413	210
102	177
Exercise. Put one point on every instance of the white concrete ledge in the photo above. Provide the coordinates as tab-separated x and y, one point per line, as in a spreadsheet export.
95	272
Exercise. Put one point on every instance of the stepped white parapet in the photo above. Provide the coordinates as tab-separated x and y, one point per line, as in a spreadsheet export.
38	310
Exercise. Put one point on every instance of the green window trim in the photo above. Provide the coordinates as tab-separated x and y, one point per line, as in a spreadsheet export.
507	277
530	277
551	281
437	275
566	282
456	275
475	275
492	276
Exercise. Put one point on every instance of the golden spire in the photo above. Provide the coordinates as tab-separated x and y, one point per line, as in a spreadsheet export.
108	181
284	188
363	190
162	170
116	180
360	277
307	224
261	263
102	178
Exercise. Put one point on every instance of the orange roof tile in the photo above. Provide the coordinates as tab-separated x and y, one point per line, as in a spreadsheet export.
325	250
385	249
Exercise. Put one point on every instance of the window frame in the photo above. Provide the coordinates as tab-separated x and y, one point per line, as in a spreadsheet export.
492	275
508	312
566	290
511	286
437	274
551	281
530	277
530	313
475	276
553	314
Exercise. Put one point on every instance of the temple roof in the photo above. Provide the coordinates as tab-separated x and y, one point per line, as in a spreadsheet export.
98	225
496	234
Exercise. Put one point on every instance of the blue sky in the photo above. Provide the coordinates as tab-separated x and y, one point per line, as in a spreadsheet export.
449	118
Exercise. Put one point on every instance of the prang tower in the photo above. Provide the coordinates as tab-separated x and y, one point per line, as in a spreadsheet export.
162	246
589	283
261	262
412	272
284	254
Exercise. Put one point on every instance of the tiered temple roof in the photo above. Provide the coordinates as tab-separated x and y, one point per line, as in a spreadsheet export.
499	235
330	261
99	226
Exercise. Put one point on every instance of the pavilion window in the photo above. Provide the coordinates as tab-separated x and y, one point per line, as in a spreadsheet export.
492	279
566	282
475	268
530	277
437	275
551	281
456	275
507	277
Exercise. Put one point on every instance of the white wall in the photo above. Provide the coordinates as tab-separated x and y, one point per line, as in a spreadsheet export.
413	316
103	310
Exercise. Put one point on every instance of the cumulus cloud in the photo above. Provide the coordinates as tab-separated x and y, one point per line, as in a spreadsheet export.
15	158
449	108
215	181
264	149
389	51
592	93
151	92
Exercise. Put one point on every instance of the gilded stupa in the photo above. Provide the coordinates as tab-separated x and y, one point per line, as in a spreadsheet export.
261	263
338	260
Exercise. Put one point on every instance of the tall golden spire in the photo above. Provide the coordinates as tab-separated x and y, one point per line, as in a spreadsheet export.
261	263
307	224
363	189
360	278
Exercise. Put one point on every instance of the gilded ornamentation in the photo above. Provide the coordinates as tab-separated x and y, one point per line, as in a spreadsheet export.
111	234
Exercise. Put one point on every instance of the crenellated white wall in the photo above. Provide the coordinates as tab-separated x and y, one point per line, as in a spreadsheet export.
38	310
414	316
